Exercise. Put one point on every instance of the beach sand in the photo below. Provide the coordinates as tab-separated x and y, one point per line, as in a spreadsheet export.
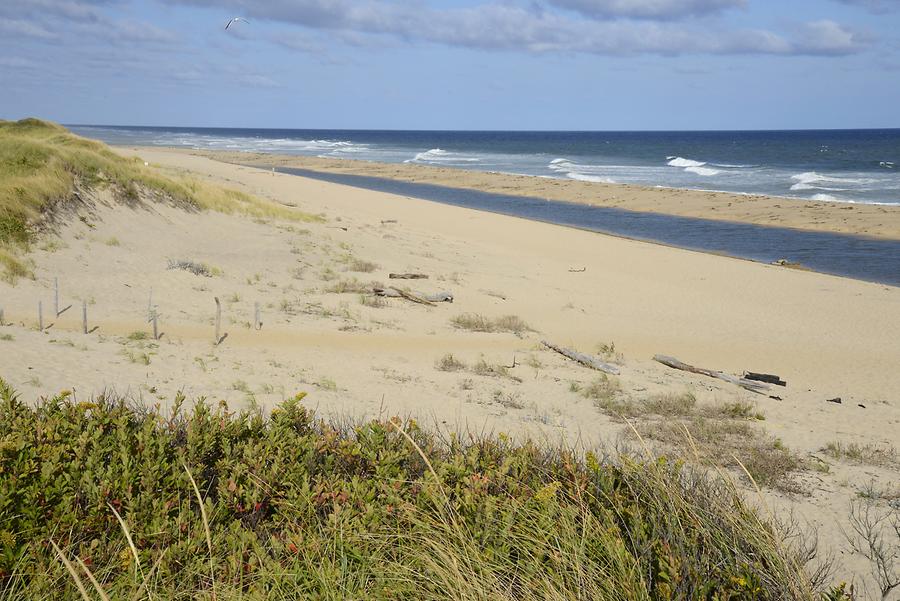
359	356
879	221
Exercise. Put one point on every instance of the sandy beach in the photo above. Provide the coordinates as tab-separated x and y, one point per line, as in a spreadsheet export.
361	356
880	221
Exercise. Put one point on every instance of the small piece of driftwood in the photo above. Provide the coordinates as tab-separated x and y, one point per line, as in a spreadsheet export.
836	400
423	299
768	378
573	270
407	276
586	360
750	385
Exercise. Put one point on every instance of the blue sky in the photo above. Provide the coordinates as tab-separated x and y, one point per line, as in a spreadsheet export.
470	64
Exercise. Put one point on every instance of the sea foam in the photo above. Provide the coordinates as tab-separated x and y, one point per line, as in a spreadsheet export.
682	162
692	166
437	155
704	171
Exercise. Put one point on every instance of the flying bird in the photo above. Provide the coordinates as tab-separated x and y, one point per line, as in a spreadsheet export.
235	20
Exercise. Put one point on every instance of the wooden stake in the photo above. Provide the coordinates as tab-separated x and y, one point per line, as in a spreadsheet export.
84	316
40	316
150	303
56	296
218	319
153	318
1	316
257	322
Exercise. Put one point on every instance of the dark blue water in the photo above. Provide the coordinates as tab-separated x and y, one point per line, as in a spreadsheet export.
832	165
838	254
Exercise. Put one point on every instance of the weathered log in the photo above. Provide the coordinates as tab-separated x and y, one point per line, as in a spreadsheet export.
586	360
424	299
407	276
768	378
750	385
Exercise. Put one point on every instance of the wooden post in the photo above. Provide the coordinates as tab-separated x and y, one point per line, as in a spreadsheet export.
218	318
153	317
150	303
84	317
40	316
257	322
1	316
56	296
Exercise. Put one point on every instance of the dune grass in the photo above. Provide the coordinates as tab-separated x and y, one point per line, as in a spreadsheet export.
208	503
42	165
475	322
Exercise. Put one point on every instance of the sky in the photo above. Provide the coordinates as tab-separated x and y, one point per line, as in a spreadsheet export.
467	64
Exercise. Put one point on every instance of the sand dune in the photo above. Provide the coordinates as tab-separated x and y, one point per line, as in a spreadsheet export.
360	356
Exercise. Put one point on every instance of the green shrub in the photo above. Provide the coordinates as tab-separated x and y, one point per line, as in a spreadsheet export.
300	508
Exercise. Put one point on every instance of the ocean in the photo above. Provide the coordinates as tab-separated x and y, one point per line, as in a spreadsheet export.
860	166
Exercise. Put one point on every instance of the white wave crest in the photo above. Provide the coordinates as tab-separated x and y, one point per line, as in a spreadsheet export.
437	155
583	173
589	178
704	171
682	162
810	180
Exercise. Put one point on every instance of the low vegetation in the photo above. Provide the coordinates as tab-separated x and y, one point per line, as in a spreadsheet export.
208	503
43	166
194	267
711	434
476	322
872	454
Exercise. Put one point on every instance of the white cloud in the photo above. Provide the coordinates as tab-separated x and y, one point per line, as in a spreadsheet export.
647	9
829	38
22	27
507	26
875	6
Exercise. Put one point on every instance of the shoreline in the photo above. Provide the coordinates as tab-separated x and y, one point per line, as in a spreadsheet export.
877	221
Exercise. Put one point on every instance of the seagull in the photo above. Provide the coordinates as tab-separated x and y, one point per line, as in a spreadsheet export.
235	20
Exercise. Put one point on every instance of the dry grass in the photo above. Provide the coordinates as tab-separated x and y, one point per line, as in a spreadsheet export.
602	391
726	442
870	454
372	300
361	266
349	286
475	322
449	363
193	267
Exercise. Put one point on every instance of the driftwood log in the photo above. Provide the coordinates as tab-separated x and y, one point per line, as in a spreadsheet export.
768	378
422	299
750	385
407	276
586	360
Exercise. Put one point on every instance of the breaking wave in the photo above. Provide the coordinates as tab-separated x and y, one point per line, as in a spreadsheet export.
436	155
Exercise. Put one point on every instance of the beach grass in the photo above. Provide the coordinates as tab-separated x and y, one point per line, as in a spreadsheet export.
475	322
43	168
106	499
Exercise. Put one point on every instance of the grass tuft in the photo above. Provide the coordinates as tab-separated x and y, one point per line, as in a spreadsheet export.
476	322
869	453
